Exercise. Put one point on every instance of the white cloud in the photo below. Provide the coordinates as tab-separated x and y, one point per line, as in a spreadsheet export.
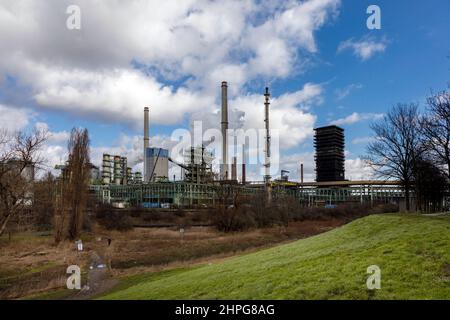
365	48
293	124
18	119
53	155
289	114
363	140
357	169
60	137
276	41
117	95
344	92
357	117
13	118
195	43
292	163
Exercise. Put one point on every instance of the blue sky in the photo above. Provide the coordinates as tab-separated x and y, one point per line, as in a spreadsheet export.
123	58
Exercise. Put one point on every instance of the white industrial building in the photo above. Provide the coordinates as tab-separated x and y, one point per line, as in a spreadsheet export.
156	165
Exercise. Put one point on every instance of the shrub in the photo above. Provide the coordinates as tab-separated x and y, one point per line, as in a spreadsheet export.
254	211
151	215
116	220
135	212
113	219
229	219
180	213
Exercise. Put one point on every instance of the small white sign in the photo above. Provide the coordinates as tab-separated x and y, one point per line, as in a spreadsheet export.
79	244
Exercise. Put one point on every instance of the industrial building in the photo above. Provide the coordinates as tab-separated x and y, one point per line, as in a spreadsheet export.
197	167
156	160
329	157
199	184
156	165
115	171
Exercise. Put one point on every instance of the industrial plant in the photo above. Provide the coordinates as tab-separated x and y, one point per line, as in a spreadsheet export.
199	183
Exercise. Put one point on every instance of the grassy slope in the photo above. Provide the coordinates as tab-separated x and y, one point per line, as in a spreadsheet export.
412	251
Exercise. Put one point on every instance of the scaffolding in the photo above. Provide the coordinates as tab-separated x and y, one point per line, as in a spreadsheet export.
184	194
329	157
198	165
157	195
354	194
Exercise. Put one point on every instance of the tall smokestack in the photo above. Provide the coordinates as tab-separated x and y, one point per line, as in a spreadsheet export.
266	120
146	140
243	165
234	169
301	173
224	123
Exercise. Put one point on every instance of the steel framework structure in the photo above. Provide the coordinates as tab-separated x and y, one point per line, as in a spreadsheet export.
189	194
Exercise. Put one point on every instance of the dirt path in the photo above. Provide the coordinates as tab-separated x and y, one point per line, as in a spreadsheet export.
99	279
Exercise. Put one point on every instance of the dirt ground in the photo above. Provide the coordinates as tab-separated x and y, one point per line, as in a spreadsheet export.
30	263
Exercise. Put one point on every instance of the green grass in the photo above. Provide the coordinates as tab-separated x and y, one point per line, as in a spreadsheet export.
412	251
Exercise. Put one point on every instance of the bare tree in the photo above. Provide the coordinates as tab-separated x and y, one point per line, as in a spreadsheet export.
19	157
430	184
73	188
44	201
397	145
436	129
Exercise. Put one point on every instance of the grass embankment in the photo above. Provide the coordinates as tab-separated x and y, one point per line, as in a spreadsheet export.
32	265
412	251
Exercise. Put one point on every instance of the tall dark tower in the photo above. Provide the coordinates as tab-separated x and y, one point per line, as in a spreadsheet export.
330	158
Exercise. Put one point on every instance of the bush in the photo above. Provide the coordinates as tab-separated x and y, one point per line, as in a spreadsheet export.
229	219
256	212
113	219
136	212
117	221
384	208
180	213
152	216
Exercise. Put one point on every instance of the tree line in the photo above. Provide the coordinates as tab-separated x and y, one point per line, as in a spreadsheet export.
414	148
58	202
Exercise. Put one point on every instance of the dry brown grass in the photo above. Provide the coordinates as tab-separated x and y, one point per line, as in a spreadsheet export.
156	247
31	263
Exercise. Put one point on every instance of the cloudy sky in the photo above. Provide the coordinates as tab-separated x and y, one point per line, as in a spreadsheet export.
322	63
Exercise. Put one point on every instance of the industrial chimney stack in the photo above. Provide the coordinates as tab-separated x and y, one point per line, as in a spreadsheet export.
301	173
234	169
244	158
266	120
224	123
146	140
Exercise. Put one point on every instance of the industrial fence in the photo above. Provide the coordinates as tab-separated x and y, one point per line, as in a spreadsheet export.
162	195
182	194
